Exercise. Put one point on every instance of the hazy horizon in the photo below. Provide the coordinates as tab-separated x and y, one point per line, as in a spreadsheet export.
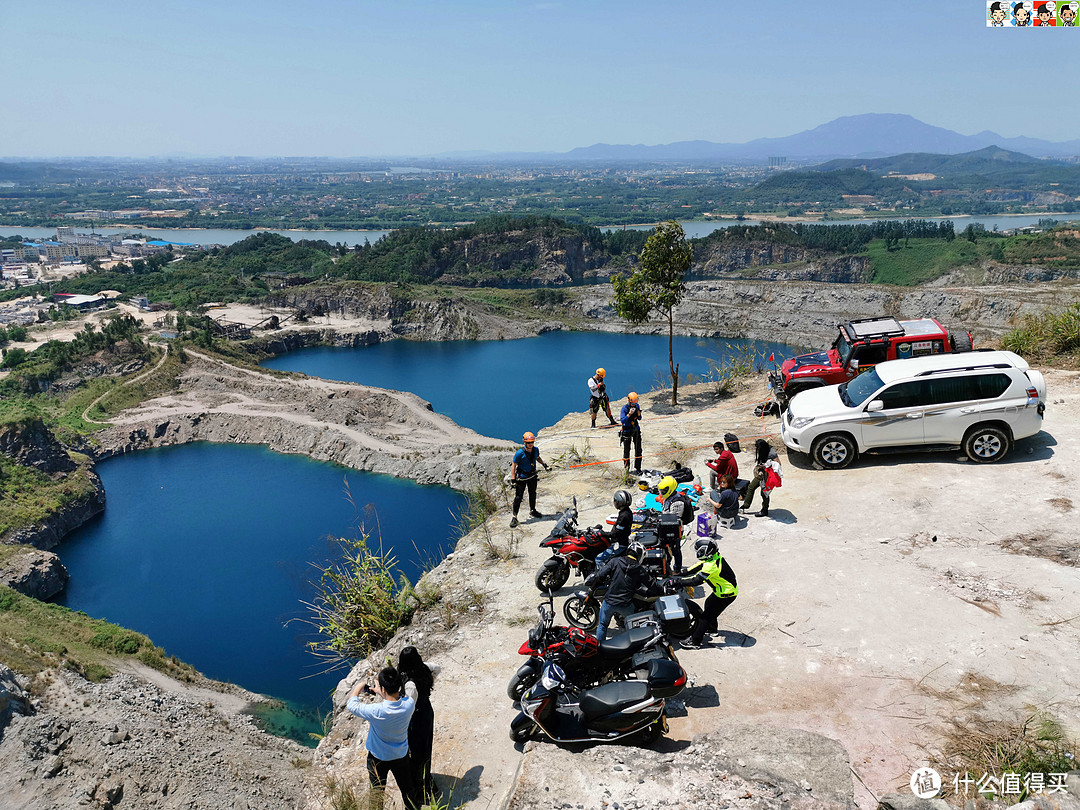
361	80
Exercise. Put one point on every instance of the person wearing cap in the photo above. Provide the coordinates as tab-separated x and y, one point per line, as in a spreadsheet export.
598	397
523	475
631	432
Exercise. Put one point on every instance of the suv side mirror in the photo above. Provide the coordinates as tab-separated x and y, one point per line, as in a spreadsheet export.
854	365
875	405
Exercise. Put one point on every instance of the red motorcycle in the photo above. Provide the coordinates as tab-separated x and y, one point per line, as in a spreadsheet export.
571	548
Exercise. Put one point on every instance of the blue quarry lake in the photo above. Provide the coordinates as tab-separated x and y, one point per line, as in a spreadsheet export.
501	388
210	548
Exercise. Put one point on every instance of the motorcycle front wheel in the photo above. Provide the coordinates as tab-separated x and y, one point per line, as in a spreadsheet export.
519	685
521	728
581	612
552	575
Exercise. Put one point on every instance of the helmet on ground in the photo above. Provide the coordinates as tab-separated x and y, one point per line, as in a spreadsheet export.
706	548
528	436
632	396
622	499
635	552
601	373
666	487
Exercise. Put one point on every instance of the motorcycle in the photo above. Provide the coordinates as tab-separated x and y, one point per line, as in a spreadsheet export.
677	616
641	653
571	548
566	713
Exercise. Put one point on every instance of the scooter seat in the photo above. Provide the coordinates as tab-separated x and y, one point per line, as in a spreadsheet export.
611	697
623	643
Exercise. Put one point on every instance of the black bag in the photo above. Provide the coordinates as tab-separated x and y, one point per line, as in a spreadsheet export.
732	442
681	474
688	507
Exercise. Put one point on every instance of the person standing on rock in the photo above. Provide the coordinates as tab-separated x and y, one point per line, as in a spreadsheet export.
523	475
631	432
598	397
388	736
419	680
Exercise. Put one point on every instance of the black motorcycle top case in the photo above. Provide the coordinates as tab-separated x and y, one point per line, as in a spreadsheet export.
666	678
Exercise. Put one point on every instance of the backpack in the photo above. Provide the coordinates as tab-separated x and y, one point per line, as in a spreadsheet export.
688	507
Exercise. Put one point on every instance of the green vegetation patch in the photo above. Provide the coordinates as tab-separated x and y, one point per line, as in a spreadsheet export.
28	496
917	261
1053	337
35	636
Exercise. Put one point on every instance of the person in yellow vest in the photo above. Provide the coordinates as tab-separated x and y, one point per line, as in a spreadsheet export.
713	569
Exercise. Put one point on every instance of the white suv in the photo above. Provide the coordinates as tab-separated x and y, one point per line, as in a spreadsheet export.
979	401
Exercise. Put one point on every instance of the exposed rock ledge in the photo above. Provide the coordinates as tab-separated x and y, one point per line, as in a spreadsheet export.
50	531
365	428
34	573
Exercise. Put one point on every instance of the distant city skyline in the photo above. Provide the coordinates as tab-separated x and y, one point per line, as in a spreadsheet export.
345	79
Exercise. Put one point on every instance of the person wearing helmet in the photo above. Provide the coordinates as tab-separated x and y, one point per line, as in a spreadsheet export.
598	397
714	570
619	536
625	576
523	475
631	432
675	503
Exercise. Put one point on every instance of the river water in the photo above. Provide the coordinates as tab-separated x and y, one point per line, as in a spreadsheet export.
210	550
693	229
503	388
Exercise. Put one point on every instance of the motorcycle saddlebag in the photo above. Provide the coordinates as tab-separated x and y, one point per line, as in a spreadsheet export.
668	530
654	561
666	677
673	611
645	617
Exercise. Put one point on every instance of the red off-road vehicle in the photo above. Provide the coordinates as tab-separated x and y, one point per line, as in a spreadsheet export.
860	346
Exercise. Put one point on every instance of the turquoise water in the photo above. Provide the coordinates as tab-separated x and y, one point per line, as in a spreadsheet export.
209	549
503	388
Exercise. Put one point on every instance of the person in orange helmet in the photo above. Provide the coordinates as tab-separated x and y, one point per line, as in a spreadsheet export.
631	432
523	475
598	397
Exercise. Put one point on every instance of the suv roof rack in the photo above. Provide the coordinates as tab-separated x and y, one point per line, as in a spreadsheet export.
864	328
951	369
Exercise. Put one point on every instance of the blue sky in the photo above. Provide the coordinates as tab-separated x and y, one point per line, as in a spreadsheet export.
411	77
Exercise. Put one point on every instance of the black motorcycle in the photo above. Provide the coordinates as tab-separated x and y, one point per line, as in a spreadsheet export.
640	653
563	712
676	615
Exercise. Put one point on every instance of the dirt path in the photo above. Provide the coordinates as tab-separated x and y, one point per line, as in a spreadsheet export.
876	603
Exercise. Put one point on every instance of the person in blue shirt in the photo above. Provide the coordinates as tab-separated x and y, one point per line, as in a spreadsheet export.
631	432
388	736
523	475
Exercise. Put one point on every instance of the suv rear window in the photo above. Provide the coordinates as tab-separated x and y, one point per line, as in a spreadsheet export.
960	389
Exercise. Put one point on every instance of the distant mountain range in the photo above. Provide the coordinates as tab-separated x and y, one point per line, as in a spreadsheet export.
854	136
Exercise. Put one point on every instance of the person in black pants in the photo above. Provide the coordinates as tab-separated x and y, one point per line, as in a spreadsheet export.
631	431
714	570
523	475
388	736
419	679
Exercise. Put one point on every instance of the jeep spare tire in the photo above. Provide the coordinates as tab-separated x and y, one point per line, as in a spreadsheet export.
960	341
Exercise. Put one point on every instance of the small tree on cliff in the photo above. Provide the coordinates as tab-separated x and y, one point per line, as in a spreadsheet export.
657	286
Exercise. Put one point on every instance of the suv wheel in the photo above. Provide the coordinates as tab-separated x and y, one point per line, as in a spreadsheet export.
986	444
834	452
